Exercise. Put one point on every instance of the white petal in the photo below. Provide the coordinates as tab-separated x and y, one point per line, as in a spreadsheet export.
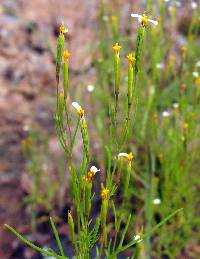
194	5
198	64
122	155
94	169
165	114
136	237
153	21
90	88
157	201
76	105
195	74
135	15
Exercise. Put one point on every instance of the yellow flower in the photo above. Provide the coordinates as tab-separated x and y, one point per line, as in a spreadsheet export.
185	126
183	51
197	81
63	29
143	19
131	58
93	170
66	55
117	48
172	59
105	193
79	109
69	214
126	155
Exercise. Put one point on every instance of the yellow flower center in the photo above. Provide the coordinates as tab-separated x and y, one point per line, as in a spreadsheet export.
81	112
144	20
88	177
183	50
172	59
197	81
131	58
130	157
105	193
69	215
66	55
185	126
63	29
117	48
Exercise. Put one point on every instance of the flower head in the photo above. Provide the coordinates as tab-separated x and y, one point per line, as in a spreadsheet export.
66	55
79	109
69	215
183	50
157	201
93	170
185	126
63	29
105	193
128	156
117	48
143	19
90	88
131	58
165	114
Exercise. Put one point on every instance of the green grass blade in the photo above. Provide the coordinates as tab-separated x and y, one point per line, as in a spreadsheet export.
57	236
27	242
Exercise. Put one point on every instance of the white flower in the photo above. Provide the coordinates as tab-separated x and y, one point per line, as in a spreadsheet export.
160	66
178	4
79	109
175	105
143	19
90	88
195	74
93	169
157	201
105	18
126	155
76	105
198	64
26	128
165	114
194	5
138	238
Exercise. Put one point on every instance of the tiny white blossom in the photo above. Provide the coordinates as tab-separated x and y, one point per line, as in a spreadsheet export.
194	5
143	19
105	18
160	66
79	109
94	169
175	105
157	201
138	238
178	4
26	128
195	74
198	64
165	114
128	156
122	155
76	105
90	88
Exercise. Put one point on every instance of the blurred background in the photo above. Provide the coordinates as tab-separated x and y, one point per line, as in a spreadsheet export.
28	144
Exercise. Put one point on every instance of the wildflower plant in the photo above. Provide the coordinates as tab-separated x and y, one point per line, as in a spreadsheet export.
88	230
